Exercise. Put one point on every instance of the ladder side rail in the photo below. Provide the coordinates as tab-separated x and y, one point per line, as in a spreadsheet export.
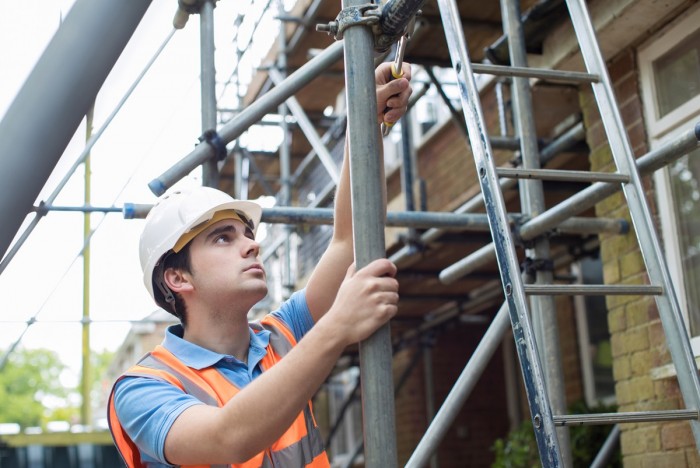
505	249
668	305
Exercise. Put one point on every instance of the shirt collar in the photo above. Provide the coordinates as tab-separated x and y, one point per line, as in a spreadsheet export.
197	357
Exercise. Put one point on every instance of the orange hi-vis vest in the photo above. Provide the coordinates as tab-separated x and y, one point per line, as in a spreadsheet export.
301	445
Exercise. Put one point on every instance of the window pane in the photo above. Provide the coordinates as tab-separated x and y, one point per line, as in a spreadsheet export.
599	335
677	75
685	186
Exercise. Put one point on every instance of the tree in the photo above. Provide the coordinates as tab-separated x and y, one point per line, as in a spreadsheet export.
29	376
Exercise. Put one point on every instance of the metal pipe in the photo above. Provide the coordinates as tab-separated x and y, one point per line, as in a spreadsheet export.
543	310
54	100
544	74
606	451
630	417
251	114
429	380
368	229
285	194
502	114
309	131
210	170
86	368
461	390
583	200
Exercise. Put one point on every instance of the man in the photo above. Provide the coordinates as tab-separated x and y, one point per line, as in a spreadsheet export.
219	390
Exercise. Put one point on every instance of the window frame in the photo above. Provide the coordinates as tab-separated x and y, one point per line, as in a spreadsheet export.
663	129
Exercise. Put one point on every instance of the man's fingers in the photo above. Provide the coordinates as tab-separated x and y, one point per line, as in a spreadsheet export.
380	267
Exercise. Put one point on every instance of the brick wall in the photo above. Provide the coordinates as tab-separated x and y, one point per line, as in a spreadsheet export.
637	339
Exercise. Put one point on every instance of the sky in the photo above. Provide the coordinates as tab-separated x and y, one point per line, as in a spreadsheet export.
157	127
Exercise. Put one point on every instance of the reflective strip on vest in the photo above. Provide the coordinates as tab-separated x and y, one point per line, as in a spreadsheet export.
301	445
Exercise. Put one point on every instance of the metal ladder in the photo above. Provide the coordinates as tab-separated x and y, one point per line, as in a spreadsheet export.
516	292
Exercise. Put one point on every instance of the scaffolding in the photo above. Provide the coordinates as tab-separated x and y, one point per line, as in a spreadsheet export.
368	32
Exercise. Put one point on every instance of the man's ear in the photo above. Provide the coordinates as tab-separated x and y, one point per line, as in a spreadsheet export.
177	280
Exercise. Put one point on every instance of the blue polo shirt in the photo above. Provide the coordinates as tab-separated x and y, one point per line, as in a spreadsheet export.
147	407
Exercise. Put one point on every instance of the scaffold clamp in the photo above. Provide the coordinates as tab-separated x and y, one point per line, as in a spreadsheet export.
215	141
360	15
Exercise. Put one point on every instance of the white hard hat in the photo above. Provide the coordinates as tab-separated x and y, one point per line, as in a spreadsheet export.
183	214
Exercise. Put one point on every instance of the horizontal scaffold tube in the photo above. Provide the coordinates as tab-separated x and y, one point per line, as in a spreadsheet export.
581	201
474	222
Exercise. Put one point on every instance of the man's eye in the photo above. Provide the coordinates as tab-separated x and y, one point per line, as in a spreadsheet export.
222	238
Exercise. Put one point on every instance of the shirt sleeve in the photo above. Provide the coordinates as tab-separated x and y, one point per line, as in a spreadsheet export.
147	409
295	313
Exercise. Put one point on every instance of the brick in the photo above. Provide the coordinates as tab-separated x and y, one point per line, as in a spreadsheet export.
692	457
617	345
677	435
611	271
637	133
631	112
623	392
640	363
642	388
636	312
641	440
622	65
664	460
668	392
635	340
600	157
617	320
656	334
634	461
621	368
631	264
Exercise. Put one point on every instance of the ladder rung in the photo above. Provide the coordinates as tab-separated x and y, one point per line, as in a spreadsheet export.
541	73
632	417
561	175
592	290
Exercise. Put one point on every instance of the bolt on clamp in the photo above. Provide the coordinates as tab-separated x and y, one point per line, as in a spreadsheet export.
367	14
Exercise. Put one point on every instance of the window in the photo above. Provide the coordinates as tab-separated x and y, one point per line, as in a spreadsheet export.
670	78
593	336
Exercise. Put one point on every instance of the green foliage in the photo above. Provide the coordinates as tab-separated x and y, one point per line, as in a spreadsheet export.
519	448
28	377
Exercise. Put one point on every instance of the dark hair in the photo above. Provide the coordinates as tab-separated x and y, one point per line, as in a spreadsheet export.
179	261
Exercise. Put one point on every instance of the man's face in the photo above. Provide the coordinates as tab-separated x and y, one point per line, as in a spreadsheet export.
225	265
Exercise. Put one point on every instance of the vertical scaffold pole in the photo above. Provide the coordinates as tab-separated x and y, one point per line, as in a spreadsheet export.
210	169
544	312
368	232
